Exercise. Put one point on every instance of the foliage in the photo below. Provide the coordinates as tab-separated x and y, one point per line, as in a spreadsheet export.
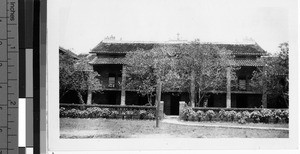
143	114
185	113
210	114
276	115
96	112
246	114
265	115
207	62
192	116
275	75
200	115
285	115
174	64
77	75
66	70
255	115
143	68
222	114
231	115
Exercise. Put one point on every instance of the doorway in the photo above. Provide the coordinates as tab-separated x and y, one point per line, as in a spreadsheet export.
241	101
175	105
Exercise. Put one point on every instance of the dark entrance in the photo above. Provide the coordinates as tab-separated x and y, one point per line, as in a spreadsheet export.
241	101
113	97
175	105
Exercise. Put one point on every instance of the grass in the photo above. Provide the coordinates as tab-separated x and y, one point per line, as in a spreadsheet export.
116	128
272	125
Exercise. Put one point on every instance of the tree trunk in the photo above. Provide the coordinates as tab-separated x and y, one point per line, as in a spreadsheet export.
192	86
89	97
80	97
158	98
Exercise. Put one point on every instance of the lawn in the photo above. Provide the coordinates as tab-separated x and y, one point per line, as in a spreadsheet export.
117	128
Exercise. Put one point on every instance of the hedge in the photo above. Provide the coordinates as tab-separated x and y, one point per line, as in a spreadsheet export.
107	111
241	116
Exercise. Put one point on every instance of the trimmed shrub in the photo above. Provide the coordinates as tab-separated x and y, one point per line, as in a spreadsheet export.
255	115
210	114
200	115
222	115
285	115
241	117
277	115
143	114
246	114
105	113
185	113
192	115
150	115
266	114
114	114
231	115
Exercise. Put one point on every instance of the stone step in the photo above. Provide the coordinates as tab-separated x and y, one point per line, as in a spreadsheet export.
172	117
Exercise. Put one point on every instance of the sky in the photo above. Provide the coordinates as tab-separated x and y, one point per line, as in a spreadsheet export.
84	23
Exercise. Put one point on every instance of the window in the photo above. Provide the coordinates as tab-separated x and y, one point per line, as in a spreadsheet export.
242	84
111	80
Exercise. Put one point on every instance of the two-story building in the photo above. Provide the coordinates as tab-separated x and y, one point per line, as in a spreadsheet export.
109	62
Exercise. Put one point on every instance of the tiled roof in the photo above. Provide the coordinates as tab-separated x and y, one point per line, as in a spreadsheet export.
98	60
126	46
246	62
70	53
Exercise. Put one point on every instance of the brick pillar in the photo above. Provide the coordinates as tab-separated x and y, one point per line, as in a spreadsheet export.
228	86
123	92
89	98
161	110
182	105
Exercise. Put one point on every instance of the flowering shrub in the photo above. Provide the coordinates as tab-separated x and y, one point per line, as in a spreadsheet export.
185	113
231	115
192	115
241	118
96	112
285	115
265	115
246	114
150	116
239	115
114	114
105	113
223	114
210	114
276	115
255	115
200	115
143	114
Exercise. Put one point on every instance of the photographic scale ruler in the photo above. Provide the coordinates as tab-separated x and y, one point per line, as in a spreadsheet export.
9	76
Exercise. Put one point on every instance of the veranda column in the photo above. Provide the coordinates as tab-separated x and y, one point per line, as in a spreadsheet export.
264	92
228	86
123	93
90	93
192	88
